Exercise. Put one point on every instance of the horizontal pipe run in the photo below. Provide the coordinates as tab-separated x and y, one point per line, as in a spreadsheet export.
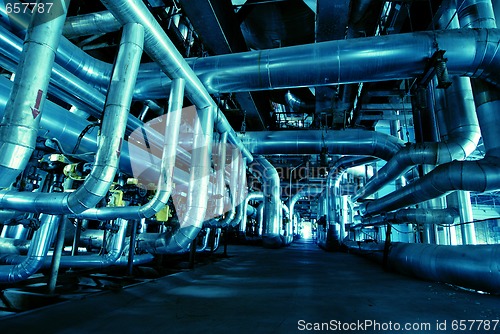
447	216
90	24
349	141
471	266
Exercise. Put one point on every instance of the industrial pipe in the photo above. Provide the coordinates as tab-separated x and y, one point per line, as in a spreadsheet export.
414	216
90	24
255	196
271	236
164	185
19	125
481	175
195	205
470	266
463	134
97	184
349	142
40	244
159	47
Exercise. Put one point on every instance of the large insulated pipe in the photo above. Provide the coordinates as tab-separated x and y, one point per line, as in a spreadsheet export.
481	175
40	244
470	266
414	216
349	142
271	236
165	177
98	182
90	24
195	206
241	192
159	47
369	59
255	196
463	134
306	190
335	226
19	125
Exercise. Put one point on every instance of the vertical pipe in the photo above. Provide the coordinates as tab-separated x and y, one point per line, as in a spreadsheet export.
56	258
131	249
466	218
272	203
76	237
20	123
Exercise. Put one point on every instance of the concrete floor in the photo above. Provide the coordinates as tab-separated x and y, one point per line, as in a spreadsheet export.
266	291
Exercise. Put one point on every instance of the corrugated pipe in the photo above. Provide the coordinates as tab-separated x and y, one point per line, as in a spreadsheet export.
271	236
481	175
164	185
90	24
447	216
192	217
97	184
471	266
349	141
19	125
463	134
159	47
255	196
40	244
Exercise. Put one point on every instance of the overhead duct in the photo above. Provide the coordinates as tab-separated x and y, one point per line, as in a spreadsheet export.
349	142
97	184
472	266
19	125
271	236
371	59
